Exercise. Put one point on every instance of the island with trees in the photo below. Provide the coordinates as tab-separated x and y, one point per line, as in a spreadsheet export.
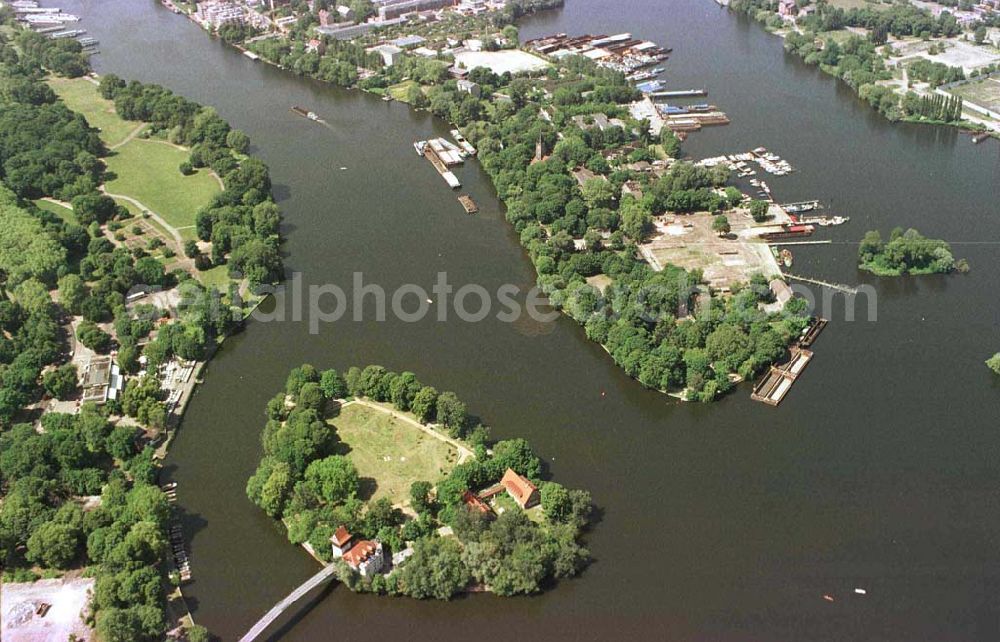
94	369
993	363
399	486
906	253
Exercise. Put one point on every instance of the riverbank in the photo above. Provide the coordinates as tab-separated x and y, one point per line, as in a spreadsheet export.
144	325
882	63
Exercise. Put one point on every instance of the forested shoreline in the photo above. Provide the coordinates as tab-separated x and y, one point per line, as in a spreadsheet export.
79	491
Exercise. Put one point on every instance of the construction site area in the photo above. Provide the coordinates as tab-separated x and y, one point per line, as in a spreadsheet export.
689	242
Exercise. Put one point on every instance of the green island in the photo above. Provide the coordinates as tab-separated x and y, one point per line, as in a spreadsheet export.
589	189
904	61
389	480
135	229
906	253
993	363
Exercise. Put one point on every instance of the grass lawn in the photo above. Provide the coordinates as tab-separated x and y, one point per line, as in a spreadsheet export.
217	276
81	96
147	171
390	453
64	213
401	91
840	36
504	502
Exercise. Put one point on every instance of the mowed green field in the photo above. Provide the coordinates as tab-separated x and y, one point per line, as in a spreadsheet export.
64	213
81	96
391	452
147	171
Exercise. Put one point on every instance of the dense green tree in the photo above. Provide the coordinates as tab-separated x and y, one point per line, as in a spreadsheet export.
425	404
435	570
334	478
53	545
61	383
451	413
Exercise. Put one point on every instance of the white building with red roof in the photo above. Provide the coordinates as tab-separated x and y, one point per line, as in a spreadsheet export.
520	489
366	557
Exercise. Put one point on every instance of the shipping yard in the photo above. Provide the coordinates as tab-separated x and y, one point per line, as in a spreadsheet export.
620	52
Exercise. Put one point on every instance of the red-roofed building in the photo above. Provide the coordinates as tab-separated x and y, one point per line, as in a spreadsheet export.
476	504
340	541
520	488
366	557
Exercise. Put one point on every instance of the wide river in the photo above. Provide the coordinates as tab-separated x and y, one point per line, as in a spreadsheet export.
729	521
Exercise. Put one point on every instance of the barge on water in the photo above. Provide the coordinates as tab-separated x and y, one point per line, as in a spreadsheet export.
305	113
810	334
469	204
788	232
773	387
425	149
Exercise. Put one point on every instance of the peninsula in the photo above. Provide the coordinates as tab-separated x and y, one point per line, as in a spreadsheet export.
587	165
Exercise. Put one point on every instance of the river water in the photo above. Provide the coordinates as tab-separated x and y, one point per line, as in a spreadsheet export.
720	522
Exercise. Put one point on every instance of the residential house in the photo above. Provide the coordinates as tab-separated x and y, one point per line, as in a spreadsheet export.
598	120
520	489
633	188
469	87
782	293
366	557
474	503
346	13
582	175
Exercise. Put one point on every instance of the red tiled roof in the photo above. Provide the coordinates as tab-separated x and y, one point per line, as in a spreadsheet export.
475	503
360	552
520	487
340	536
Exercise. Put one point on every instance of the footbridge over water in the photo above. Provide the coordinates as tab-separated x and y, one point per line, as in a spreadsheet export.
279	608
